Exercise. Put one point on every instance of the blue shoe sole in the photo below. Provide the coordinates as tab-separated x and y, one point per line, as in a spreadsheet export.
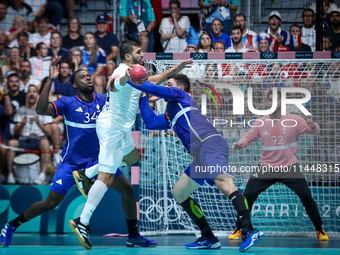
245	249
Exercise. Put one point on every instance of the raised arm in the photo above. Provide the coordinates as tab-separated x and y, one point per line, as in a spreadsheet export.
152	121
43	105
149	88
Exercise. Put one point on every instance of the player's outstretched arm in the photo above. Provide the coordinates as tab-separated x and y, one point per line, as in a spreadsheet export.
160	78
152	121
149	88
43	105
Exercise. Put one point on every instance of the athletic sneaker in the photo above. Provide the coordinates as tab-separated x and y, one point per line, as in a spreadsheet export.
204	243
81	231
41	179
321	235
141	241
237	234
6	235
83	182
250	237
11	179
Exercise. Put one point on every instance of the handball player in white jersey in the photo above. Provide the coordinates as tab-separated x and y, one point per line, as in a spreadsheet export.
113	127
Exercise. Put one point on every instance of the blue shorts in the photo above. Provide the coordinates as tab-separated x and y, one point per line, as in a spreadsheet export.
211	160
30	144
63	178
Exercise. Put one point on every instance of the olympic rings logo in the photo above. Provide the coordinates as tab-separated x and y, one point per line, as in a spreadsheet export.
198	55
155	211
268	55
337	54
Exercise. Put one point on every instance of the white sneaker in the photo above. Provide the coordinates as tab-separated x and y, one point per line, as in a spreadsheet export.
56	159
11	179
41	179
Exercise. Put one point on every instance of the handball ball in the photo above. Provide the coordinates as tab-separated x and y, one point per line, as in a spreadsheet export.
138	74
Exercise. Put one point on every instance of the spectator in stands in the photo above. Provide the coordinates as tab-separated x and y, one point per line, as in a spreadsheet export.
54	9
308	30
41	63
274	31
25	51
43	34
190	49
295	43
62	85
205	43
174	29
4	25
56	47
19	8
108	42
31	130
236	38
13	62
95	60
327	43
26	78
140	22
332	6
218	35
219	46
19	25
334	30
73	37
6	112
249	38
3	48
264	44
76	56
326	20
38	7
18	98
220	9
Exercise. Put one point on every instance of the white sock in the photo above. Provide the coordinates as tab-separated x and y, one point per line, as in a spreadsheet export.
92	171
96	194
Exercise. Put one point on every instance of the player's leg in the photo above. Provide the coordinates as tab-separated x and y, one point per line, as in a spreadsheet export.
181	193
300	187
126	190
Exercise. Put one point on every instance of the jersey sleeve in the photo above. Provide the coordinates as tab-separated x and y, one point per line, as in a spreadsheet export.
150	12
303	127
152	121
60	106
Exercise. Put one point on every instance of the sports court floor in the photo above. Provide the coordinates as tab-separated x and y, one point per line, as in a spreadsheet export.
39	244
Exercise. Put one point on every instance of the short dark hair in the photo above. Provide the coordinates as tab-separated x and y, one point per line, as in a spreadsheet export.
271	93
176	2
56	32
25	60
65	61
240	14
73	76
218	20
308	10
39	45
22	33
295	25
328	37
236	28
181	79
3	2
127	48
41	18
13	75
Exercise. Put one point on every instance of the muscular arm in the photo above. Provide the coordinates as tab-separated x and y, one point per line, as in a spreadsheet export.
153	89
152	121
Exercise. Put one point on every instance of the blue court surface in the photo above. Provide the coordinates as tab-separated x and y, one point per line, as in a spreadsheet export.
35	244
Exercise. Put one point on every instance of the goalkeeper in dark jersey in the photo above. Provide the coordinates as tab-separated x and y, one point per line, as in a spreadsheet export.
208	147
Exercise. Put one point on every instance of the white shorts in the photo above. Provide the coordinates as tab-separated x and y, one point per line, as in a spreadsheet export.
114	143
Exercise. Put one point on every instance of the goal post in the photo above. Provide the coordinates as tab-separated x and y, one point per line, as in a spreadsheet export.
278	210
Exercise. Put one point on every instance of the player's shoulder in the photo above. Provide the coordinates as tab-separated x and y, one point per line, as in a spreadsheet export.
100	97
177	92
68	100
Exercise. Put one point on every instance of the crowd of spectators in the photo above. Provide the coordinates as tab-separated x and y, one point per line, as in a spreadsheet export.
30	38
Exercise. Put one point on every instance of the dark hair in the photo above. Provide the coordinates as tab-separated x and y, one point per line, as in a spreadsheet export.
236	28
199	45
181	79
176	2
271	93
39	45
65	61
73	76
328	37
238	15
218	20
32	85
41	18
22	33
127	48
3	2
308	10
56	32
25	60
220	42
12	75
295	25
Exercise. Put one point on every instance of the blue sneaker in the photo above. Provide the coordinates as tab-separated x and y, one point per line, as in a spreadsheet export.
6	235
140	240
204	243
250	237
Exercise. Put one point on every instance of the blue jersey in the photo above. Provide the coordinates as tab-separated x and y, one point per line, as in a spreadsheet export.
82	144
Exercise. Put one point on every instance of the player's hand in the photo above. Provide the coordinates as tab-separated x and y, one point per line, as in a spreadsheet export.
133	18
54	68
36	118
184	64
109	85
237	146
310	122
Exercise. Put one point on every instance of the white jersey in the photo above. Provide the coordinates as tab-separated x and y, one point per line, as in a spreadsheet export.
122	106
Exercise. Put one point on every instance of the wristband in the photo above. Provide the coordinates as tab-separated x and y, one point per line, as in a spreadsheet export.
117	84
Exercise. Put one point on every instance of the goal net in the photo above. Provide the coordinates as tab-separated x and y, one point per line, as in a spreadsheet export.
278	210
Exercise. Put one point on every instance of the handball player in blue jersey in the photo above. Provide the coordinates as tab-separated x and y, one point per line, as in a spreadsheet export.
208	147
80	151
